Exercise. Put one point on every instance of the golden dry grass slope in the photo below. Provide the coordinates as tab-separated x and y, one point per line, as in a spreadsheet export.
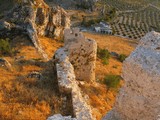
23	98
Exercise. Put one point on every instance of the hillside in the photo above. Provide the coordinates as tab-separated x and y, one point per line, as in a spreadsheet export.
33	98
30	85
24	97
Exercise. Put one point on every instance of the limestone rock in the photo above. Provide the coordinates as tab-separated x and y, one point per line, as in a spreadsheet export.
82	54
60	117
35	74
68	85
34	18
71	62
139	99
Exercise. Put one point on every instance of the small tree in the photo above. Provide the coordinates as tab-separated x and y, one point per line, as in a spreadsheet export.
104	55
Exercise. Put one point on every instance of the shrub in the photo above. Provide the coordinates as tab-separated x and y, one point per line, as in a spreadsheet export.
104	55
122	57
5	47
112	81
105	61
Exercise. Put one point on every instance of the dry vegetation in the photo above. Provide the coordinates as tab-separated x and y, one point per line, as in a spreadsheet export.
28	98
33	99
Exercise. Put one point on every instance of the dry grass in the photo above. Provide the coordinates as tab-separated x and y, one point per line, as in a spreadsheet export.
100	100
26	98
112	43
32	99
50	45
23	98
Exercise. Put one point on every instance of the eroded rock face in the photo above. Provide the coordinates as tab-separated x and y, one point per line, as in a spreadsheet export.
139	99
47	21
34	18
82	54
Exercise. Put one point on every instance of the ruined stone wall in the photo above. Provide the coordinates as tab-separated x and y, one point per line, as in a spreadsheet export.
139	99
67	84
71	62
82	54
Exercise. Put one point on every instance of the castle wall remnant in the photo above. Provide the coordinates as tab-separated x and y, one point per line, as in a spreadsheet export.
76	61
68	85
139	99
81	53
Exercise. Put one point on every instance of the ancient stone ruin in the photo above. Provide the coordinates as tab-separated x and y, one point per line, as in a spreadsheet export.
139	99
35	18
74	57
81	53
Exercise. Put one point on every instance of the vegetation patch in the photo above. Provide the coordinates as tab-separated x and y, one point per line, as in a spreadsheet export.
122	57
104	55
112	81
5	48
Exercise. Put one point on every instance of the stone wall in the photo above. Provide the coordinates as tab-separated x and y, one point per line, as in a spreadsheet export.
139	99
67	84
82	54
71	65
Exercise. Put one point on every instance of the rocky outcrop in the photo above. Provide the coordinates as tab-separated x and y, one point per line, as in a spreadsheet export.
75	52
139	99
35	18
81	53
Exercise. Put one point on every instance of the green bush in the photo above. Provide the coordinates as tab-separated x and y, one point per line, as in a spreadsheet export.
112	81
5	47
122	57
104	55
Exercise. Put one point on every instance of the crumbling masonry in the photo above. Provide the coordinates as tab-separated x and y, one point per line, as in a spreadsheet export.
76	61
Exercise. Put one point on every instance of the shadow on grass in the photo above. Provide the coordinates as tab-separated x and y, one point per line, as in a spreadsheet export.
40	94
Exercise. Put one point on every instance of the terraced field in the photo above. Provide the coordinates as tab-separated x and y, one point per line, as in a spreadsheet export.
134	19
122	5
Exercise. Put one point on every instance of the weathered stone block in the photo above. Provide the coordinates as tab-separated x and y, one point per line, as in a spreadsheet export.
139	99
82	54
68	85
